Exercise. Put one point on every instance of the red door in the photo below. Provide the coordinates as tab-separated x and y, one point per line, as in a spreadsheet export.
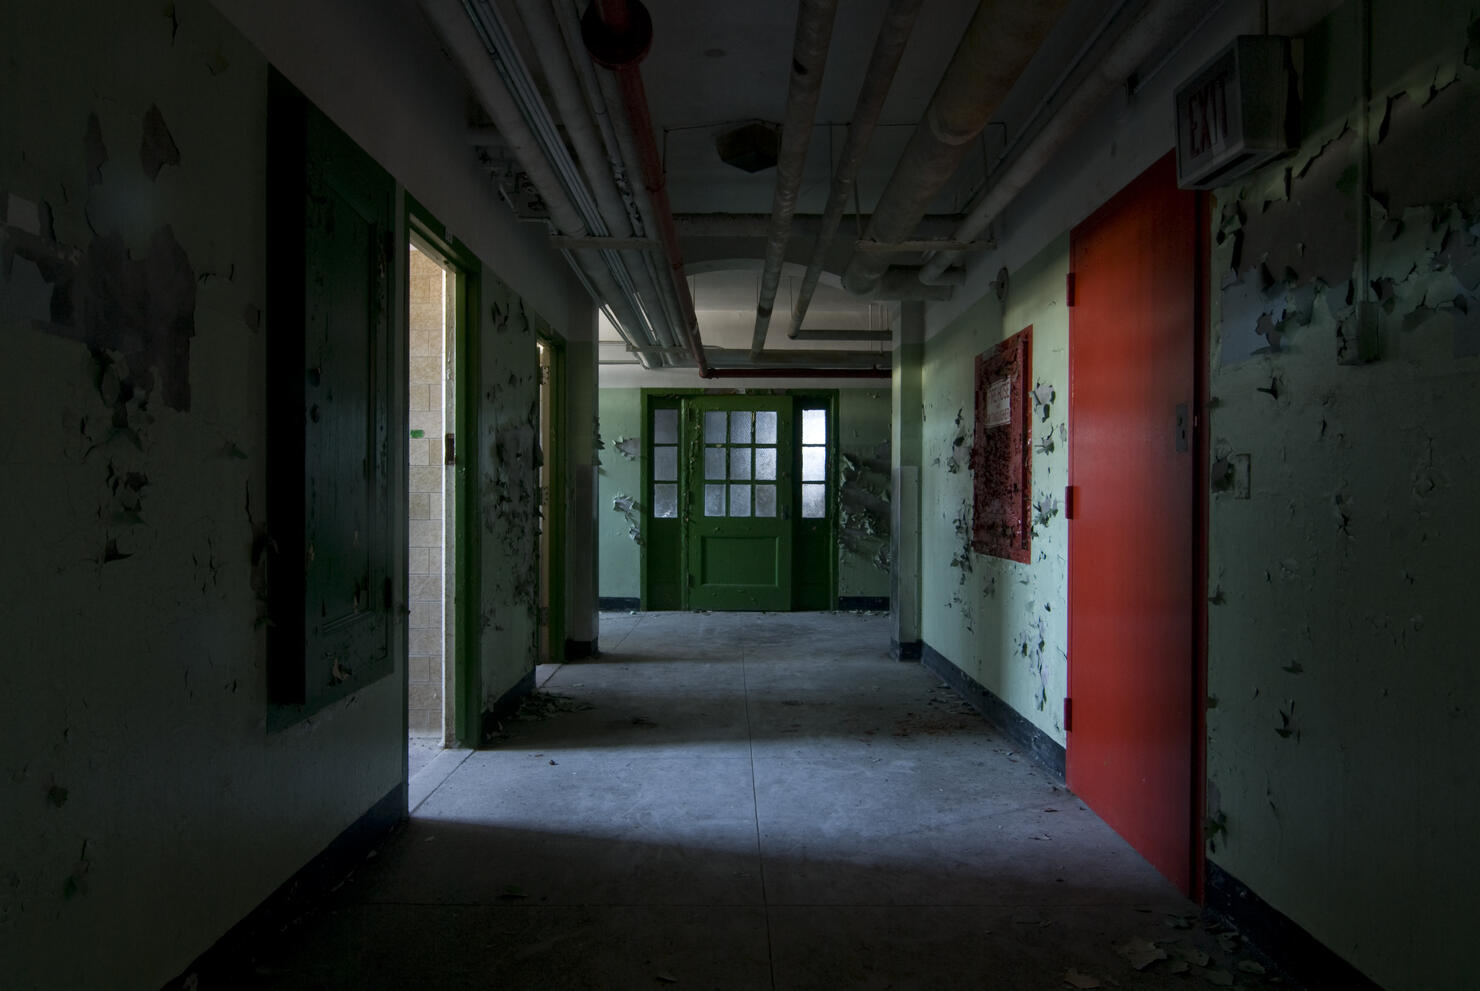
1132	363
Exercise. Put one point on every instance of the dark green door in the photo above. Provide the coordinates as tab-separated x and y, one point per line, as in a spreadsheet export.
738	502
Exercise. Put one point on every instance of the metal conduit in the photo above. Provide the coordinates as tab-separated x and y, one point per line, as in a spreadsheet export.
498	41
1001	38
621	150
1132	48
894	34
618	33
539	20
451	19
808	60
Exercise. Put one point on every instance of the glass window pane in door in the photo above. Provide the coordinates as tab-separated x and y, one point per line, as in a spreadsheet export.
714	462
714	500
814	426
765	463
814	501
739	462
765	426
665	426
740	427
714	426
739	500
814	464
665	501
665	464
765	500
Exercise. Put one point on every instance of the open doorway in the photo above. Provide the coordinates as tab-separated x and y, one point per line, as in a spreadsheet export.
552	504
432	295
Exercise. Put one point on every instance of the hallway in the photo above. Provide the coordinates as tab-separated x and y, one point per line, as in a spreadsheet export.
748	801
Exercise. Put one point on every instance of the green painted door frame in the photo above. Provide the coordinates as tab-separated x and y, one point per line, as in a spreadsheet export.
466	590
669	561
554	455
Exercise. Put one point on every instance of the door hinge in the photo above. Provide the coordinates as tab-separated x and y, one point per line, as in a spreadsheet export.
1068	714
1068	502
1069	289
450	454
1180	434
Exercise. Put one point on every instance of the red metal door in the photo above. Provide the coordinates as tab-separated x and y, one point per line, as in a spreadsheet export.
1132	354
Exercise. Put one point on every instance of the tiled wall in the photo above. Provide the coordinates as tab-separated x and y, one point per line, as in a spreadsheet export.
428	297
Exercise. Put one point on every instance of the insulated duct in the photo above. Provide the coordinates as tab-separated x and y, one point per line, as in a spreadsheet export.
1128	53
808	60
999	42
894	34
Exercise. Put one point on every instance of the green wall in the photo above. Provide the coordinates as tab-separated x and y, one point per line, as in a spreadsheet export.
619	478
1003	623
863	492
1341	673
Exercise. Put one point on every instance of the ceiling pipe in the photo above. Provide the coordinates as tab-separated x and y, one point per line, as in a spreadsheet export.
808	60
1000	40
452	21
560	76
604	93
872	336
801	373
756	225
618	34
894	34
795	357
1134	46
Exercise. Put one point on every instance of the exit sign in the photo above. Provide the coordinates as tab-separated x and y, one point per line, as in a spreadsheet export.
1236	113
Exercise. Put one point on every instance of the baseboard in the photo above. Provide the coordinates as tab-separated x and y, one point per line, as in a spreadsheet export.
1029	738
1289	947
579	650
618	603
229	957
506	706
863	603
910	650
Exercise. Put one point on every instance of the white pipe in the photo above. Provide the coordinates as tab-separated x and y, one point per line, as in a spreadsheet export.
808	59
894	35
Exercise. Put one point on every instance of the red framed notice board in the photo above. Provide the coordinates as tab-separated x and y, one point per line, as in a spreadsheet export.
1001	449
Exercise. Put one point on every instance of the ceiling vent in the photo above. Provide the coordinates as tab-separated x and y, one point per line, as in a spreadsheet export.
751	147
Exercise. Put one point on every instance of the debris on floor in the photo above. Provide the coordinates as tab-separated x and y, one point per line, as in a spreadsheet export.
543	705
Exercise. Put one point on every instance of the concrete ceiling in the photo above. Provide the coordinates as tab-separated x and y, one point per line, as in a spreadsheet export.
715	65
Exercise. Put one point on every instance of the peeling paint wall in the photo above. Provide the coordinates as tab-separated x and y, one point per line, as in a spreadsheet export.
619	478
1344	465
145	807
864	482
1003	623
508	490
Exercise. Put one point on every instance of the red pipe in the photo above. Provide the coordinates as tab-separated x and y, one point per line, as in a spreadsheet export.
618	34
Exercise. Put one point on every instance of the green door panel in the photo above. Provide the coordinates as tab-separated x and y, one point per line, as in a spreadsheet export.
737	507
330	360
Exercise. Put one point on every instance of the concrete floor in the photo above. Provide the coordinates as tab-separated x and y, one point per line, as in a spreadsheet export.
751	801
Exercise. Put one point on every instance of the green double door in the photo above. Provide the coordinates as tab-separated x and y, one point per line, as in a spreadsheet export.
739	514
